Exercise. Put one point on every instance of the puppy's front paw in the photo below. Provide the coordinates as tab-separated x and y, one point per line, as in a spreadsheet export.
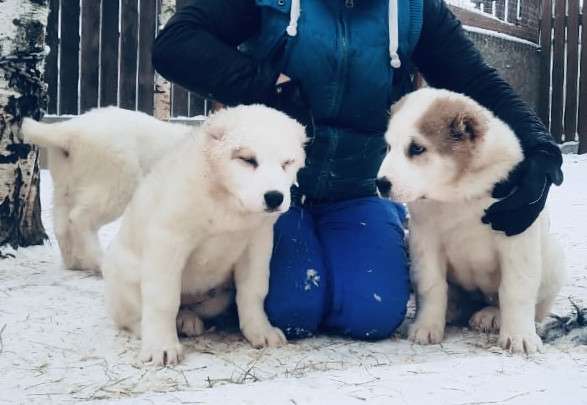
487	320
189	324
162	355
426	333
528	342
267	336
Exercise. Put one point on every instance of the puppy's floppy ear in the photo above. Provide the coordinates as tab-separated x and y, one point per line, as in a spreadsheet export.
467	125
397	106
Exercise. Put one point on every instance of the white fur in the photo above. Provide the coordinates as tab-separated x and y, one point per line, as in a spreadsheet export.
198	220
96	161
448	241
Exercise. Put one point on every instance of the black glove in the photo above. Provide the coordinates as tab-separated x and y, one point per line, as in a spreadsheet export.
524	193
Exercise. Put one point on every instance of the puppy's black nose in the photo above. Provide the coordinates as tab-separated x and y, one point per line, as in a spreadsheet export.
273	199
384	186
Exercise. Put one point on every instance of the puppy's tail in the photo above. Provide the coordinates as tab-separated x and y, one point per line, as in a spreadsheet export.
47	135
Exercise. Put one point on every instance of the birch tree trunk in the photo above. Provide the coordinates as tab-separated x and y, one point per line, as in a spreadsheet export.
163	86
22	94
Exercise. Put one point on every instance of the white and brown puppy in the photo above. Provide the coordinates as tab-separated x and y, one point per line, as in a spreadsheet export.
446	153
203	216
96	161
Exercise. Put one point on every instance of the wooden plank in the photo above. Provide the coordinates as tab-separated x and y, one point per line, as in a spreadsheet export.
570	128
488	6
129	37
51	61
583	85
500	9
524	12
197	105
512	16
546	51
90	54
147	29
69	57
109	38
558	71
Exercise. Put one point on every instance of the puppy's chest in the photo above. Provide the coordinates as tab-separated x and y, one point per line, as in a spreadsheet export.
212	263
469	247
473	262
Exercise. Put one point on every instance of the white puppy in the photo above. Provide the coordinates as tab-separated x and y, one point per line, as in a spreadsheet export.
446	153
96	161
204	215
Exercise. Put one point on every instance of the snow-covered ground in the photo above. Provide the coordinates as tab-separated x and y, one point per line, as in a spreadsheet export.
58	345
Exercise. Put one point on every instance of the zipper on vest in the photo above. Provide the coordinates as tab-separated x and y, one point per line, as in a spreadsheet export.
343	61
349	3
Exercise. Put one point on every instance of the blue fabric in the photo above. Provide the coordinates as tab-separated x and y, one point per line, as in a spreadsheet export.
339	267
341	58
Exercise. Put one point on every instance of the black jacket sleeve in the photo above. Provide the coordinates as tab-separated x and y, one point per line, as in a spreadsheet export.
197	50
448	59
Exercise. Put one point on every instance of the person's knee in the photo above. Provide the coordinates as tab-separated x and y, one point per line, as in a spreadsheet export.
297	319
377	319
297	290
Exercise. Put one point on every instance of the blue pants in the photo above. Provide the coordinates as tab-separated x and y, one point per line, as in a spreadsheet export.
340	268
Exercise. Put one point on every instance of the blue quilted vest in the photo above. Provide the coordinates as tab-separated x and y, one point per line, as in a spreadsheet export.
341	57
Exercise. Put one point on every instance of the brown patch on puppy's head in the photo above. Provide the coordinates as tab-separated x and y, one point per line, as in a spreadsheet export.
452	128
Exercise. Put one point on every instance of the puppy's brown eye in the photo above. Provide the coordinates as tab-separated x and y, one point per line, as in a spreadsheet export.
287	163
416	149
251	161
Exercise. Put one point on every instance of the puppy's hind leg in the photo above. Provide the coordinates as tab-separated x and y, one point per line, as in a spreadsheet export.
122	297
83	228
487	320
123	301
63	232
189	323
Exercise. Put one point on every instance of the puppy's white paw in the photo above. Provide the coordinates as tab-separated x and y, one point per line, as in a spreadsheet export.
162	355
189	324
487	320
528	342
426	333
267	336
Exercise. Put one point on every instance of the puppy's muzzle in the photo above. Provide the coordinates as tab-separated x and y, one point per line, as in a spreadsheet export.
384	186
273	200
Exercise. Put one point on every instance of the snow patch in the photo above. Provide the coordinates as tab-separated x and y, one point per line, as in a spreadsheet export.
58	345
500	35
312	279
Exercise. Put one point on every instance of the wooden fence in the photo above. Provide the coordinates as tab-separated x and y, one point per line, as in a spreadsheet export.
101	55
564	84
517	18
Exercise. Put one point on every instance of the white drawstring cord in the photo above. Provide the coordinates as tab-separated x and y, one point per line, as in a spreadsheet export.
394	34
294	16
